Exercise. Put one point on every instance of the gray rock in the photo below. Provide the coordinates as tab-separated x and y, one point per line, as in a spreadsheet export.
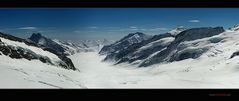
234	54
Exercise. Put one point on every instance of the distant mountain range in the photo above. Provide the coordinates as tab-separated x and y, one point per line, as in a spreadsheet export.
176	45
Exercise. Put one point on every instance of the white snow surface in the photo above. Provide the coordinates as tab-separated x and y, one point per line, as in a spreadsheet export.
22	73
177	30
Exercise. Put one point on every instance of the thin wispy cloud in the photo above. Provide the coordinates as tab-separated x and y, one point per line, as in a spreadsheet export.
83	31
28	28
133	27
111	27
143	29
194	21
93	27
117	30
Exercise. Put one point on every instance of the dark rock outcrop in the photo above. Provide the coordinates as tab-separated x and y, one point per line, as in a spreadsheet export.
234	54
198	33
19	53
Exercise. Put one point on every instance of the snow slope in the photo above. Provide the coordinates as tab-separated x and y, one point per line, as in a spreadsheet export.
22	73
37	50
214	69
163	41
190	73
72	47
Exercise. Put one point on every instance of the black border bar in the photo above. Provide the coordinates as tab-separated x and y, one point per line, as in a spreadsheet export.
119	4
121	93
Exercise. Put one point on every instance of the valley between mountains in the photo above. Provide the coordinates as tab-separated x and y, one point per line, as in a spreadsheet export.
205	57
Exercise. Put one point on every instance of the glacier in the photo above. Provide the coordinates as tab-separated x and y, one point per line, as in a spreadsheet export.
216	67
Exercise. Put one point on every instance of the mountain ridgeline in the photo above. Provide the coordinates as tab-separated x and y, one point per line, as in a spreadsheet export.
123	43
45	42
18	48
162	48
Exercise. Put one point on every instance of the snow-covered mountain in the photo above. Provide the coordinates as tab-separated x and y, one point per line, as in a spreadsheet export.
93	45
123	43
234	28
216	67
185	45
166	47
73	47
46	42
144	49
68	47
17	48
28	64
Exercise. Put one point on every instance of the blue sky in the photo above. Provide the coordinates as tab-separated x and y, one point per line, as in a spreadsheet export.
109	23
